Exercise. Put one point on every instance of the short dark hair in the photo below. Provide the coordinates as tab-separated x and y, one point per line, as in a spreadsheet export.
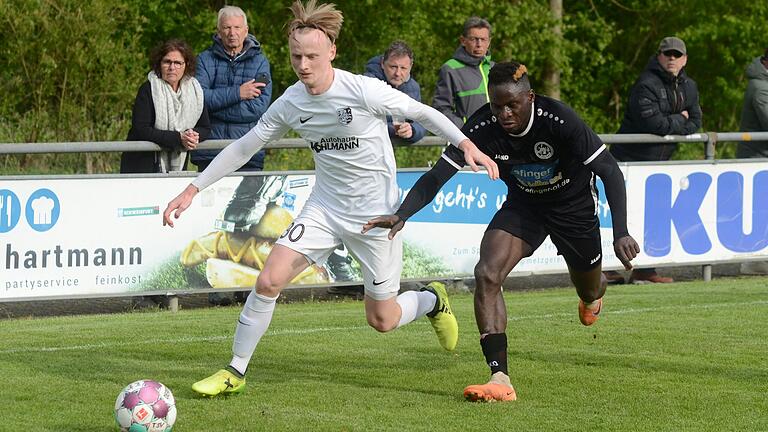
476	22
509	73
398	48
765	56
157	54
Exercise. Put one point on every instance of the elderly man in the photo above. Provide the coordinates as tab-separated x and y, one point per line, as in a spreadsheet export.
394	67
462	83
235	77
663	101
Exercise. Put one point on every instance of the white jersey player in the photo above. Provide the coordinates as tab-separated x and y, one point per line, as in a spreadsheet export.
342	118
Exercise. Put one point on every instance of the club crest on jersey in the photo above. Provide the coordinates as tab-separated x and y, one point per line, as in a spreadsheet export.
543	150
345	115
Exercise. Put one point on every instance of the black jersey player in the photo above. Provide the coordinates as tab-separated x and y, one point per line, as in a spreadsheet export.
548	158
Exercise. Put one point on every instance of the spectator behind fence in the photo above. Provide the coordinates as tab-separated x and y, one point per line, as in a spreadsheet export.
236	81
754	118
394	67
663	101
462	83
169	112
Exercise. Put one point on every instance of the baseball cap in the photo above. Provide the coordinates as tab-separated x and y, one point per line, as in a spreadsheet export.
672	43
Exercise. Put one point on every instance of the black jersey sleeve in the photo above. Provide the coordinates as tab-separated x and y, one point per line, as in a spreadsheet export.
605	166
426	187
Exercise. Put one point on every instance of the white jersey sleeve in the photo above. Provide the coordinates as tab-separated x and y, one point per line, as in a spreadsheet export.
382	99
270	127
435	122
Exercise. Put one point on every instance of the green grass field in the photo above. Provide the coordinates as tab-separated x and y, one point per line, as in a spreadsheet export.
682	357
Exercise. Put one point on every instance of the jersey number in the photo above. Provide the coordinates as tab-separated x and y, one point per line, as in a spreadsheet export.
294	232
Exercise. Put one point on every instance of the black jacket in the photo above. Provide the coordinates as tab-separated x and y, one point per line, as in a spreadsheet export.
655	102
143	129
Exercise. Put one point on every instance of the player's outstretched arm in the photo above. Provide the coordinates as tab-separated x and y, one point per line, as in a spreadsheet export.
179	204
624	245
438	124
473	157
421	194
394	222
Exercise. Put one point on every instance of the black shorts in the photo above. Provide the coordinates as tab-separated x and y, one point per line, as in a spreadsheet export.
573	227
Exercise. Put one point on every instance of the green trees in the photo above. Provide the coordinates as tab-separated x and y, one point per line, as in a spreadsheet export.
69	70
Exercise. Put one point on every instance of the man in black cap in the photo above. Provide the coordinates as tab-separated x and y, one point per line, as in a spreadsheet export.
663	101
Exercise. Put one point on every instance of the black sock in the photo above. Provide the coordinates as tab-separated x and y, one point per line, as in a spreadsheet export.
236	372
495	350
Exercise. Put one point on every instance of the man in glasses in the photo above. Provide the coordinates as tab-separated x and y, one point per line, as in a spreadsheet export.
663	101
462	83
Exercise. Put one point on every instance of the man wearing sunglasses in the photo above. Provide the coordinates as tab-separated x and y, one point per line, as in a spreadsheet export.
663	101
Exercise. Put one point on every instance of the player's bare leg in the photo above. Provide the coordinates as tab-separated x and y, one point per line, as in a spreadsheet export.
590	286
432	301
499	254
282	265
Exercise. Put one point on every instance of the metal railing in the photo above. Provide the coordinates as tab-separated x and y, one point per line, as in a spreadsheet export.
710	139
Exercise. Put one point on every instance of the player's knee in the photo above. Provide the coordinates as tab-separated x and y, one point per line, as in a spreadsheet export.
487	277
268	286
381	324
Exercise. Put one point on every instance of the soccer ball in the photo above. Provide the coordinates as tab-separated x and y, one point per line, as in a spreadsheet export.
145	406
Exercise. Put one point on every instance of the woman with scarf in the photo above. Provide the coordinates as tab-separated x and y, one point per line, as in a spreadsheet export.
168	111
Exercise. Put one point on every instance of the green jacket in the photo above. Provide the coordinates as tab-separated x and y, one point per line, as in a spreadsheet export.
462	86
754	113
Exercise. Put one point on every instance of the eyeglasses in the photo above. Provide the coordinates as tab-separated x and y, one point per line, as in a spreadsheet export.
672	53
169	63
473	39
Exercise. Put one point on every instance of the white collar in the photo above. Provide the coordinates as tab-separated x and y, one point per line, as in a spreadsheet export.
530	123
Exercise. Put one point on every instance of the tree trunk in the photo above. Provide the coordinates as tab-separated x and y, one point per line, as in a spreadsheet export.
552	69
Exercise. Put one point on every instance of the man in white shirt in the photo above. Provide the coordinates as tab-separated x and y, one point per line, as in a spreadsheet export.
342	116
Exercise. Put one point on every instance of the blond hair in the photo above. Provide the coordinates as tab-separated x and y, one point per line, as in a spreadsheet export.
324	17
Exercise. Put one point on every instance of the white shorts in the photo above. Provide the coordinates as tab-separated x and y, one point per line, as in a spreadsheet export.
316	233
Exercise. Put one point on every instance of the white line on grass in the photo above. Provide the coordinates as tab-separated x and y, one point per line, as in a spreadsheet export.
280	332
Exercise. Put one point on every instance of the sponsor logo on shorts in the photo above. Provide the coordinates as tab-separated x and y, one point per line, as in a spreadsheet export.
379	283
595	259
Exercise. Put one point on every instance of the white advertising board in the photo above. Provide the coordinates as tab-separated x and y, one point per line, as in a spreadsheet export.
93	237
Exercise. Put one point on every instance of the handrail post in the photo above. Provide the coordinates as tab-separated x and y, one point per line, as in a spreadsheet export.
710	145
709	154
173	303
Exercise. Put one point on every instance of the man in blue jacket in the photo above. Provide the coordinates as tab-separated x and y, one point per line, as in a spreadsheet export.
237	89
235	77
394	67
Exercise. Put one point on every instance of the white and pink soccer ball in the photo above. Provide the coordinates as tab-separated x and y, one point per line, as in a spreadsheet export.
145	406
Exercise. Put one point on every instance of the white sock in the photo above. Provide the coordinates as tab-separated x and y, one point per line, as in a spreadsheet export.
253	323
593	305
414	305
